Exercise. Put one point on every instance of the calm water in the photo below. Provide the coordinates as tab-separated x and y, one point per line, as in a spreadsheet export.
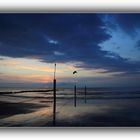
104	107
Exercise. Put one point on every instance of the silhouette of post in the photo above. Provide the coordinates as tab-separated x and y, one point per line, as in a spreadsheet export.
54	98
75	95
54	101
75	91
85	94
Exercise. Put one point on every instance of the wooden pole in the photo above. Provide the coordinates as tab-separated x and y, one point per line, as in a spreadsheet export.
85	94
54	98
54	102
75	95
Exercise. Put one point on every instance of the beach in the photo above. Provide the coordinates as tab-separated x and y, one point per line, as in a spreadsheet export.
104	107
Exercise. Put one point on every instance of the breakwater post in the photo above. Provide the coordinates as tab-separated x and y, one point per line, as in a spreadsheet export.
54	102
54	98
85	94
75	96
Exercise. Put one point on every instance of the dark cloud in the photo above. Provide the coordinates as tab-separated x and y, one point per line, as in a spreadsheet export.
138	45
60	38
29	34
130	23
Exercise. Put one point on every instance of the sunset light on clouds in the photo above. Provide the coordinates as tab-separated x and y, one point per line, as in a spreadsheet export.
32	70
101	47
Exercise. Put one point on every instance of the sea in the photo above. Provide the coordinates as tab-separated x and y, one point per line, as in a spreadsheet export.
90	107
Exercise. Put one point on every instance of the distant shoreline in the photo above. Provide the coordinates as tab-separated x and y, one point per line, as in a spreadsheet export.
23	91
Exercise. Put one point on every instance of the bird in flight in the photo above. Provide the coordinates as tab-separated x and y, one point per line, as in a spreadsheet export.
74	72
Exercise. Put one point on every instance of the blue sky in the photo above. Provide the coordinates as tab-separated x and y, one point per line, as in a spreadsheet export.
103	48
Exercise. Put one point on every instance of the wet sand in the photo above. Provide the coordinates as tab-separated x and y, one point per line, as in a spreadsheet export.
103	109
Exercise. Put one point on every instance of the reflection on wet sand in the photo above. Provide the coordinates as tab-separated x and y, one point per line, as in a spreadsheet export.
8	109
100	113
37	118
103	108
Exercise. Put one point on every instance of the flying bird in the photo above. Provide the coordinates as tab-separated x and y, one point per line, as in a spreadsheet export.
74	72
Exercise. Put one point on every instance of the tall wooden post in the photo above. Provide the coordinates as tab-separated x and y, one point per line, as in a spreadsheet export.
54	98
75	95
85	94
54	102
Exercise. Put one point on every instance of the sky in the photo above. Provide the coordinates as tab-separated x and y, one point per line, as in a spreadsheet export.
103	48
